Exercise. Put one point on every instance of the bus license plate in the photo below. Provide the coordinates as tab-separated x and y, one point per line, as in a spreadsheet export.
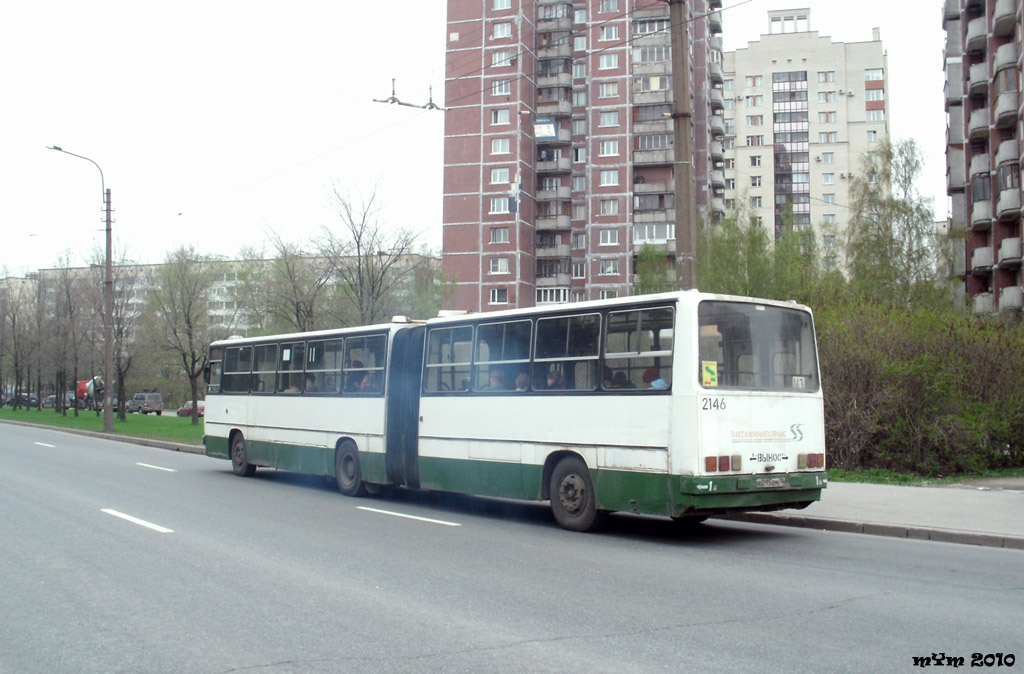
769	482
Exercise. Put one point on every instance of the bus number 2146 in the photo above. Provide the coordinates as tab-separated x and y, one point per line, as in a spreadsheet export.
712	404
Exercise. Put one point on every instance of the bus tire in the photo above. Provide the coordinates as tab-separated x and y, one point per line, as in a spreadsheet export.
347	471
573	500
240	458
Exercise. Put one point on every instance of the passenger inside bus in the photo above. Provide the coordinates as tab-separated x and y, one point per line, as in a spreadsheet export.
496	382
523	382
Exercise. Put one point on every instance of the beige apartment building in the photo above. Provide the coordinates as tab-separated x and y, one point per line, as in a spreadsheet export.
802	113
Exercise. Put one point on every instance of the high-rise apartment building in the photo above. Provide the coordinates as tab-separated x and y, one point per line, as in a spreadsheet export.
559	145
984	147
802	113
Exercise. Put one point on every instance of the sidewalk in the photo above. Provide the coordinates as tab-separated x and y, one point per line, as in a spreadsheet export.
982	512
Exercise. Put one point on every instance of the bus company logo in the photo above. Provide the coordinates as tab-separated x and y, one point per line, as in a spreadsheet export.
794	434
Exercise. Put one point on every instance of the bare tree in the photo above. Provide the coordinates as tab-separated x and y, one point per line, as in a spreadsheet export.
179	299
19	311
369	260
126	308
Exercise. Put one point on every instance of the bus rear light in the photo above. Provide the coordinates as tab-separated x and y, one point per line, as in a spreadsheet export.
713	464
723	463
710	464
810	461
737	462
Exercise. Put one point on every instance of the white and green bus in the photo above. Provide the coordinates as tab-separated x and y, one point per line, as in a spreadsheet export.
681	404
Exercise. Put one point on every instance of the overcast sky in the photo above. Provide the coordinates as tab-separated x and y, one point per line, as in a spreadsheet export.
218	122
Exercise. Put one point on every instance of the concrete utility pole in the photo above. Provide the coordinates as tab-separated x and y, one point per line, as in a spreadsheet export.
682	116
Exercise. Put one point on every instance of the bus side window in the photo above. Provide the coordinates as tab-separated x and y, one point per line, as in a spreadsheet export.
449	355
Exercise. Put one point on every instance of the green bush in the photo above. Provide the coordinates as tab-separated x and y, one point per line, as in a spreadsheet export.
920	390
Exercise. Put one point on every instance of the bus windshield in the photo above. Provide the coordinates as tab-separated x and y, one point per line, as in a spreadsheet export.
756	347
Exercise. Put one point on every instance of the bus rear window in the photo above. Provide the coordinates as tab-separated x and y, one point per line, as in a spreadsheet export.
757	347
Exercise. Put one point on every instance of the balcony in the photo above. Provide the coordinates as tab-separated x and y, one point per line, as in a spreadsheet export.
717	151
952	48
563	24
981	217
556	108
715	22
1011	298
955	131
553	222
980	164
560	165
715	4
664	125
981	260
560	250
1006	57
977	84
655	187
556	50
1004	17
1009	253
652	97
954	84
1006	152
657	68
556	280
1008	205
654	217
717	99
715	73
715	42
654	157
562	193
717	125
977	35
984	303
561	137
718	206
1006	109
563	80
718	179
955	181
977	126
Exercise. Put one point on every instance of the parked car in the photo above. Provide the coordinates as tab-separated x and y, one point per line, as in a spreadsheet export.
146	402
186	409
27	400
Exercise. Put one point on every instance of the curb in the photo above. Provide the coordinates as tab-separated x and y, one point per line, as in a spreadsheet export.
159	444
874	529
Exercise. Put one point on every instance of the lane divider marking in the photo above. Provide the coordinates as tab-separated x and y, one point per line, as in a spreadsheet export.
136	520
146	465
410	517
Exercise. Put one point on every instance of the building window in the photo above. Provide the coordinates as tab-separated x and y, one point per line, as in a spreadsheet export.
829	198
649	26
499	205
579	212
609	267
502	58
609	118
876	115
826	97
499	176
579	127
827	117
828	157
502	30
579	43
579	241
499	295
579	184
580	16
552	295
828	136
609	33
579	155
873	74
754	141
610	207
499	146
730	183
755	160
829	219
609	178
826	76
874	95
754	80
501	88
610	237
499	265
501	4
579	70
609	6
755	120
728	85
755	181
828	178
579	270
499	116
499	234
755	202
872	136
607	89
579	99
608	62
608	148
755	101
609	294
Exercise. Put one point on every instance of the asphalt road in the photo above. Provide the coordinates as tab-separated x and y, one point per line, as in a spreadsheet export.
280	573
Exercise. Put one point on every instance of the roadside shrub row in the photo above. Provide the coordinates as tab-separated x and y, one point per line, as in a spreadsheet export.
920	390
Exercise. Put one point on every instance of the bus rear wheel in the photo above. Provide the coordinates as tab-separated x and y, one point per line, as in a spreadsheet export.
573	501
240	458
347	470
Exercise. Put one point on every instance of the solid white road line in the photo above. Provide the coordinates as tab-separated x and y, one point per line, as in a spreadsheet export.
141	523
43	444
146	465
409	517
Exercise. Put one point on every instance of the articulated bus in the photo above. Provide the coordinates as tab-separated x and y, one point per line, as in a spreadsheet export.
682	404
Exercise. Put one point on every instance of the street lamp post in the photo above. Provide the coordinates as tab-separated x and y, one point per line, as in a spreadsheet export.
108	304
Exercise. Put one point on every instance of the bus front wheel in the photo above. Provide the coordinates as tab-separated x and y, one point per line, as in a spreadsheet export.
240	458
573	501
347	470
